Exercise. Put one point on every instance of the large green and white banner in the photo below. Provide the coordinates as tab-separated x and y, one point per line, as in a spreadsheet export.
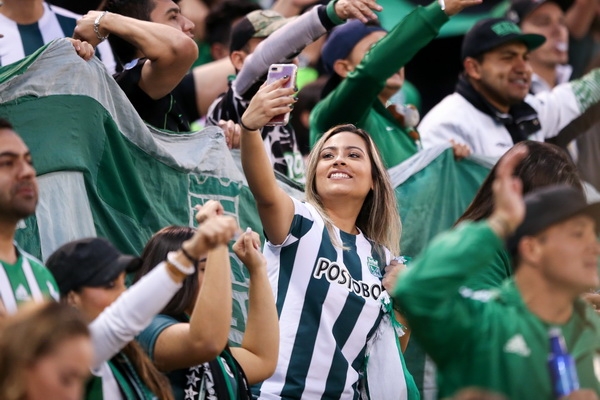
103	172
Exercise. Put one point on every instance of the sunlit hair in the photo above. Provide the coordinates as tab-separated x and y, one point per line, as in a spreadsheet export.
35	332
378	218
165	240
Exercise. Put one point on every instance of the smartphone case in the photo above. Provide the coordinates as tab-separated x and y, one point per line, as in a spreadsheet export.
278	71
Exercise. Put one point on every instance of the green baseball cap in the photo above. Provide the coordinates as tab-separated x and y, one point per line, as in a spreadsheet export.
490	33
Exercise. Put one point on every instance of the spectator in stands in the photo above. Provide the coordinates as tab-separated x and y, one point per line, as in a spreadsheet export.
211	79
554	19
169	100
197	11
45	353
549	62
91	276
27	25
254	48
544	165
326	261
219	21
156	55
22	277
502	337
367	70
491	109
176	340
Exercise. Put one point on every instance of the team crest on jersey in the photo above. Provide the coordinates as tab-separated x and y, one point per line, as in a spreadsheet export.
374	267
21	294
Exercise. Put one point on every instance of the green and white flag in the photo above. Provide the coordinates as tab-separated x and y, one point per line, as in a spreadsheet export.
103	172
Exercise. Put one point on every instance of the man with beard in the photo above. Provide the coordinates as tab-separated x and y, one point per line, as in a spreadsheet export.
23	278
492	109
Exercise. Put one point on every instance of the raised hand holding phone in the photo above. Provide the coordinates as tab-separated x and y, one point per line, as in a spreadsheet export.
271	100
276	72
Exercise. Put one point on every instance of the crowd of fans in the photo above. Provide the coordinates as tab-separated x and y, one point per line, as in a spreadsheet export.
331	301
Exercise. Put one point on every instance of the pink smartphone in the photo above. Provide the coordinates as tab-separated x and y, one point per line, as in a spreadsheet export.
278	71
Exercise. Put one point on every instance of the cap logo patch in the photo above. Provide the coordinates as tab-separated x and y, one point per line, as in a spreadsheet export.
505	28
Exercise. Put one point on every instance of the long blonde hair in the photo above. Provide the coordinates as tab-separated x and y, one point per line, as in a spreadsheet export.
378	218
31	334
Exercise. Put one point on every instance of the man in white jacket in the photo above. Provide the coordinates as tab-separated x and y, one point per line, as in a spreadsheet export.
492	109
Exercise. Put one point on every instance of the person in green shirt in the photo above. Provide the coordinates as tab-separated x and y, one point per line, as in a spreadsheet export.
367	70
544	165
23	278
499	341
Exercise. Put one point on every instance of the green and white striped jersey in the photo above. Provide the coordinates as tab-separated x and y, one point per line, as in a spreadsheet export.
20	41
26	280
327	300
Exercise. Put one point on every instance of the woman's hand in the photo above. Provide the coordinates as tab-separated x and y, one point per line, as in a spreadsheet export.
83	48
247	248
456	6
460	150
213	232
509	210
359	9
232	131
390	276
210	209
270	100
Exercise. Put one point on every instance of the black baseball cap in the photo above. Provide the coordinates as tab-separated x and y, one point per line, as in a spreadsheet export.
90	262
520	9
551	205
490	33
